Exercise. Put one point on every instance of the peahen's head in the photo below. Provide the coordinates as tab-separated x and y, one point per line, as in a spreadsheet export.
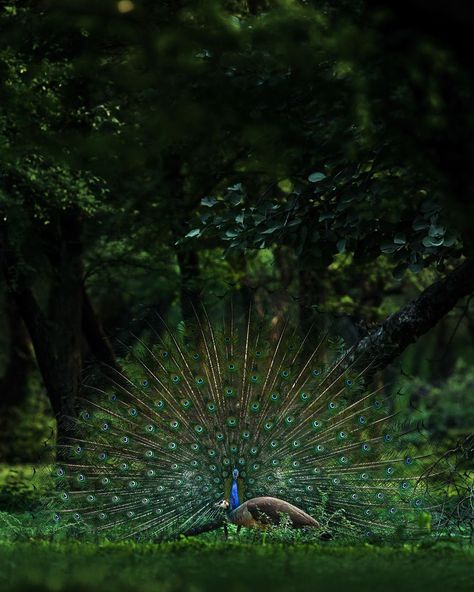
223	504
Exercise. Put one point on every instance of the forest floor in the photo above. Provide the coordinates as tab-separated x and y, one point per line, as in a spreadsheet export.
193	565
36	561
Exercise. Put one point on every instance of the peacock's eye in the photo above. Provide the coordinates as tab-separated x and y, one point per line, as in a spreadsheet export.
285	373
362	420
349	382
133	412
144	382
258	354
274	396
332	405
199	381
254	378
195	356
231	367
316	372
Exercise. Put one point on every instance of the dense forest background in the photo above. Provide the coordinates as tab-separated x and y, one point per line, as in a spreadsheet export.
313	158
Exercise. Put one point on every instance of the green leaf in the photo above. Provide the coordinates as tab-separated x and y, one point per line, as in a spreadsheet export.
316	177
400	238
208	201
193	233
389	248
341	245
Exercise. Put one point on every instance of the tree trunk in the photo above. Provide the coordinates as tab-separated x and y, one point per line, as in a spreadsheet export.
56	335
95	335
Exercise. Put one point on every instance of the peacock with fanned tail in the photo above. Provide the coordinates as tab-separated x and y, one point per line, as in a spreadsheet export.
239	423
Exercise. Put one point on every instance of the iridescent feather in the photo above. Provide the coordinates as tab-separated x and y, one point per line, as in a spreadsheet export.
154	450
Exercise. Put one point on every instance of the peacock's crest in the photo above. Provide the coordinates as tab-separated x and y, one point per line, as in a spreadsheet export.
154	450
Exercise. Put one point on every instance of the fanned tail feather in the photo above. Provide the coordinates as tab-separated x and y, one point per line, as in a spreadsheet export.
153	450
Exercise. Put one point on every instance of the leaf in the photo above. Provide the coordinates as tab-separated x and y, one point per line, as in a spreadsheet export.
400	238
389	248
208	201
341	245
399	271
436	231
326	216
416	267
316	177
431	241
237	187
420	224
193	233
271	230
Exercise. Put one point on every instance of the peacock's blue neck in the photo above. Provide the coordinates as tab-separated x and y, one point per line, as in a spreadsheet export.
234	495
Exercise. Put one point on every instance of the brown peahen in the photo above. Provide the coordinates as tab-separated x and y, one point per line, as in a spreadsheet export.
235	422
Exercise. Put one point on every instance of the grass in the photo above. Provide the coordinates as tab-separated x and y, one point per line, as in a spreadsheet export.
194	565
39	560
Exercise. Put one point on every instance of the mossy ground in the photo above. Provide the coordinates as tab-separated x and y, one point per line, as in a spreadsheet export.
39	559
195	565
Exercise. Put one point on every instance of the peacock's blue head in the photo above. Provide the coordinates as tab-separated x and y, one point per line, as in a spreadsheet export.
235	473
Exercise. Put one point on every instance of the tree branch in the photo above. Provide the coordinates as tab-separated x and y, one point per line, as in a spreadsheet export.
404	327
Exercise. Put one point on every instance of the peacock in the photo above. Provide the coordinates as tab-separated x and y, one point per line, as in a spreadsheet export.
237	420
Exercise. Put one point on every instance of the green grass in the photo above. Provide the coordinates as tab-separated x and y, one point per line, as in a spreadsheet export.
45	559
195	565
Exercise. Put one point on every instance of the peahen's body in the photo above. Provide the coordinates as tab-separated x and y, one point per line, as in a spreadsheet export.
237	413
